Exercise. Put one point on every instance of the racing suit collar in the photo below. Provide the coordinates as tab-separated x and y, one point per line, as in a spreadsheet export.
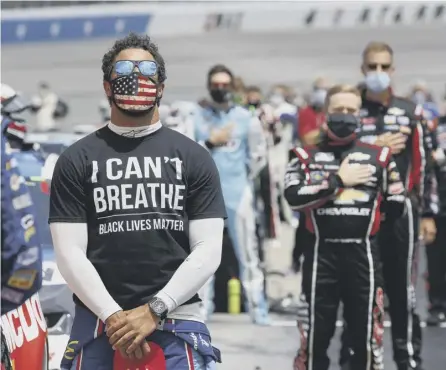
219	108
334	146
135	131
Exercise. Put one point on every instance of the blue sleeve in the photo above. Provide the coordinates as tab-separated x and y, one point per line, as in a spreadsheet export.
205	196
21	250
200	127
257	147
296	128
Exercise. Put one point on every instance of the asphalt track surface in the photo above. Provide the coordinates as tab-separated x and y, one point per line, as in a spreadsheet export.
73	71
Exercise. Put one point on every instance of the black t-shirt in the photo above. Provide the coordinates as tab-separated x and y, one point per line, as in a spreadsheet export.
137	196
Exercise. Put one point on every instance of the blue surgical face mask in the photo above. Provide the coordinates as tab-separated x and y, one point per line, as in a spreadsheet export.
276	99
377	81
419	97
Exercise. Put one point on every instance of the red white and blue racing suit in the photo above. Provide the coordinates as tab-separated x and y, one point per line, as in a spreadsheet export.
21	252
185	344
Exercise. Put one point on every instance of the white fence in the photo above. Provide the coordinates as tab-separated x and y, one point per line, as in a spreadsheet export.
173	19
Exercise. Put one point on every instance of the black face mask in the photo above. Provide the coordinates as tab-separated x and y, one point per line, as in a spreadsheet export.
342	127
254	104
220	95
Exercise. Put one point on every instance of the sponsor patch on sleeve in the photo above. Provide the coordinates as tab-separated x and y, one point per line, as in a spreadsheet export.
396	111
396	188
302	153
359	156
22	201
384	154
316	176
324	157
15	182
394	176
419	110
11	295
312	189
22	279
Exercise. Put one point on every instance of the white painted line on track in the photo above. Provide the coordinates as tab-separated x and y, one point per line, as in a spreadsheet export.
339	324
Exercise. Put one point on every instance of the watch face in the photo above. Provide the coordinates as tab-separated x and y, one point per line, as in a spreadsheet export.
158	306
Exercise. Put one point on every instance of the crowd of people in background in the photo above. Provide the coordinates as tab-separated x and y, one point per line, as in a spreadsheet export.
288	118
289	121
254	131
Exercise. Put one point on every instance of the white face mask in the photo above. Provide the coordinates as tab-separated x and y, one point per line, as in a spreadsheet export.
276	99
44	92
317	98
419	97
377	82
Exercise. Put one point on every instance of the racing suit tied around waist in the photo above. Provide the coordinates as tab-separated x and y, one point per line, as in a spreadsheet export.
89	346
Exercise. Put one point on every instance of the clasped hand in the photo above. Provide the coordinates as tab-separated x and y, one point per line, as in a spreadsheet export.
353	174
127	331
221	136
395	141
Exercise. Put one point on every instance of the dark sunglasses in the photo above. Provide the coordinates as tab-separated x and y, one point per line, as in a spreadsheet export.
219	85
374	66
147	68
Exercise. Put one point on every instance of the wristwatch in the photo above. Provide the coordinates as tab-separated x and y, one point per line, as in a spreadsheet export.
158	307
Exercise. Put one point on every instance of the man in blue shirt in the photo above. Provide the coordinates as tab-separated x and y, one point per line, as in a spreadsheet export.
237	144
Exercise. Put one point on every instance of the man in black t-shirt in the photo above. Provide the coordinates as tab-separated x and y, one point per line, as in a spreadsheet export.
137	217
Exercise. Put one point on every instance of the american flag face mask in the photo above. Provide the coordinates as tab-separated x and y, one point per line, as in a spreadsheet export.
134	93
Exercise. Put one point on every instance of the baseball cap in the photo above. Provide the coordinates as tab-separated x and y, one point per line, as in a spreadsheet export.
155	360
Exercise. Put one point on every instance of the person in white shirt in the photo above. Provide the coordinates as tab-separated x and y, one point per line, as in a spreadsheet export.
45	105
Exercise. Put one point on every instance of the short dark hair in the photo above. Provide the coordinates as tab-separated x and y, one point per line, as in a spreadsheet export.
341	88
219	68
133	41
377	47
254	89
44	85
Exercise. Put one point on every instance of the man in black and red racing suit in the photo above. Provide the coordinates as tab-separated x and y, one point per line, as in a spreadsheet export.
380	121
436	251
388	120
344	215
